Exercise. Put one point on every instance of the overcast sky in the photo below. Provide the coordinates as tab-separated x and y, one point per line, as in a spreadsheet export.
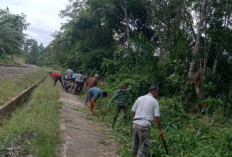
41	14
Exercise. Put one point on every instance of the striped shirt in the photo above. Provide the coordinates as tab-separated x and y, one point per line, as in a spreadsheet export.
121	97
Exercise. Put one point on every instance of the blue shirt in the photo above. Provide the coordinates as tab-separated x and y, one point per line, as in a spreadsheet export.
95	92
74	75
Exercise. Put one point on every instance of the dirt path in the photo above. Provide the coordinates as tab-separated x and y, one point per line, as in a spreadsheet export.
82	137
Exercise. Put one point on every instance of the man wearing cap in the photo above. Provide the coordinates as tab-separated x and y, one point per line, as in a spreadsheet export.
92	95
144	111
122	97
92	82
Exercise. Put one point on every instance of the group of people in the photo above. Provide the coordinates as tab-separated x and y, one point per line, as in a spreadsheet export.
143	112
70	81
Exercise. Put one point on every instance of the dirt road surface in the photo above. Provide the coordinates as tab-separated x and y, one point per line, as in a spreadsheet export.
81	137
10	72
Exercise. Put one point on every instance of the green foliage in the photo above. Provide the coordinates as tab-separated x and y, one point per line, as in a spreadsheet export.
11	32
35	126
186	134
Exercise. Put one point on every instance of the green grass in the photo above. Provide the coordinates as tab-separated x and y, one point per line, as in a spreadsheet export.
12	86
186	134
35	126
6	59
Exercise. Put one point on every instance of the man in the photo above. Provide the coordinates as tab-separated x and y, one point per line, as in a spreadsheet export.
74	75
68	74
92	82
79	82
122	97
86	77
92	95
56	77
145	109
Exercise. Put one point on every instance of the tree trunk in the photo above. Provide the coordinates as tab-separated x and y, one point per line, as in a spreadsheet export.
127	31
198	38
215	65
207	43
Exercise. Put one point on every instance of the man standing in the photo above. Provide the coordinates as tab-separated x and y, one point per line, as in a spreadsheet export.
68	74
122	97
145	109
92	82
79	82
92	95
56	77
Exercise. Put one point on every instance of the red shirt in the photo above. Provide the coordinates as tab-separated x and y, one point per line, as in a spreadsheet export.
54	75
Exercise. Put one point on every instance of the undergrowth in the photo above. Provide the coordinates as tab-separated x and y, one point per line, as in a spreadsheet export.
34	128
186	134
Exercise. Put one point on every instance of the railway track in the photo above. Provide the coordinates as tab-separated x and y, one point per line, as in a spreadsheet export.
8	65
11	71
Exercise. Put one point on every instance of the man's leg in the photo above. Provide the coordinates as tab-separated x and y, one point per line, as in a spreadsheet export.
91	108
144	135
116	113
55	80
125	110
135	140
76	89
61	82
81	88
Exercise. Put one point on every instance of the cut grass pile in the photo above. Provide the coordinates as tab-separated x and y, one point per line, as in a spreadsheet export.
34	128
12	86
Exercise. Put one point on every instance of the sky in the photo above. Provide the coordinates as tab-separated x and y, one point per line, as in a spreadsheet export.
43	16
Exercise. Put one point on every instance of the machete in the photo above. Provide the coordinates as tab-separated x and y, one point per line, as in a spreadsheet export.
165	145
103	116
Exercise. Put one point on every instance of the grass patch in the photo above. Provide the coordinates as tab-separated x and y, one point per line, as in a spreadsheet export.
35	126
102	141
6	59
12	86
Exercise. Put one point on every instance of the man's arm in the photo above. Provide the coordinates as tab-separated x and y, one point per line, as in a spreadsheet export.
128	100
112	99
132	114
157	120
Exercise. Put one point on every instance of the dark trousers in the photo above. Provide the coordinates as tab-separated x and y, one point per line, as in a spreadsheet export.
58	78
79	87
117	111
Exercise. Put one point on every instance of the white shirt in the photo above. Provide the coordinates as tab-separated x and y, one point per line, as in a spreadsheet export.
146	108
79	78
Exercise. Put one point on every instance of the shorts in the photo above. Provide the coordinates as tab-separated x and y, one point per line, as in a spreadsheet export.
140	139
89	97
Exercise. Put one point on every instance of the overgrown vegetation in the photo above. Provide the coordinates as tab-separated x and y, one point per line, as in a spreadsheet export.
34	128
186	134
184	47
12	86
